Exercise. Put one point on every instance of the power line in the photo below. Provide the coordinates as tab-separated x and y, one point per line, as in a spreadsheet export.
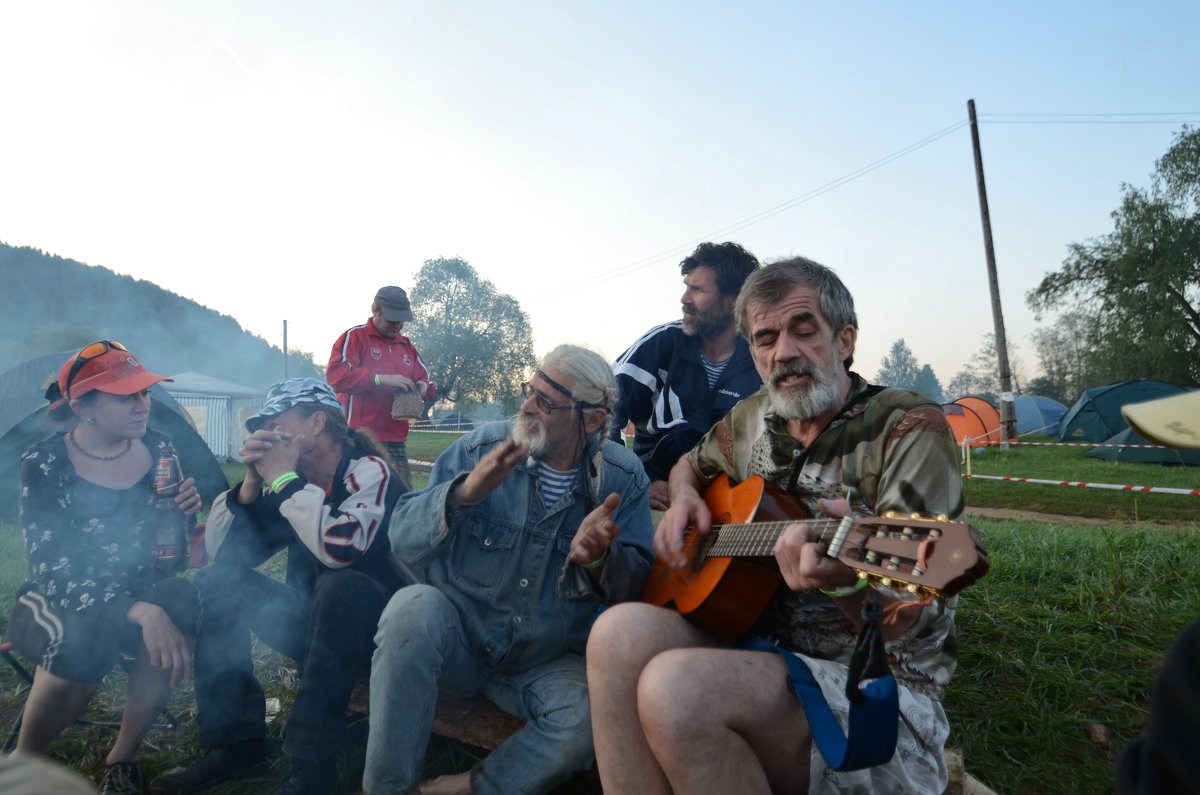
1094	115
991	118
1091	121
737	226
1153	117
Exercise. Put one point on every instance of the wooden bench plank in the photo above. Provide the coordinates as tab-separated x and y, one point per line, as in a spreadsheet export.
471	720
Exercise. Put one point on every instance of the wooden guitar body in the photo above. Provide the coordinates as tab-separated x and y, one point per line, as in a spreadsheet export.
725	595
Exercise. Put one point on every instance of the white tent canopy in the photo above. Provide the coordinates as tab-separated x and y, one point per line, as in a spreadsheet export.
217	407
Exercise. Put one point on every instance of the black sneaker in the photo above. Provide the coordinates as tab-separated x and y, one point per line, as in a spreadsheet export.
214	765
122	777
311	777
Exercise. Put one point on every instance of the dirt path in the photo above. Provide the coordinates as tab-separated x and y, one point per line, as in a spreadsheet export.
1032	516
1053	518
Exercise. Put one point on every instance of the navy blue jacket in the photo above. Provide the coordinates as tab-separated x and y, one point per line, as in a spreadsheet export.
664	392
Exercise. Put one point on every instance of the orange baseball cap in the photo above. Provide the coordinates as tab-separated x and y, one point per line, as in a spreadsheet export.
104	366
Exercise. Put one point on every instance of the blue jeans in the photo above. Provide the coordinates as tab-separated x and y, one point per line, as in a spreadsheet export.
328	631
420	647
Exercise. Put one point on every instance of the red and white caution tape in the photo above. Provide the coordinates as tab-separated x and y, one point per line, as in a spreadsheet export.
1085	485
1090	444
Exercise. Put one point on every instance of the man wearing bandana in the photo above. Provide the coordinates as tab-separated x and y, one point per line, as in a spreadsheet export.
526	529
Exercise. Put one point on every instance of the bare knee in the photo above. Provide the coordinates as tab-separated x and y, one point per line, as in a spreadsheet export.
629	635
670	701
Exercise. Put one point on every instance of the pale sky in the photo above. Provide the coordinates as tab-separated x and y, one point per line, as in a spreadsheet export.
282	160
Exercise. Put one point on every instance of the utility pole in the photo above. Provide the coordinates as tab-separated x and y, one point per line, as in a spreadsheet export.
1008	420
285	362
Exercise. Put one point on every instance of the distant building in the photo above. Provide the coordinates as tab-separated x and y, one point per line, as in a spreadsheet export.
218	409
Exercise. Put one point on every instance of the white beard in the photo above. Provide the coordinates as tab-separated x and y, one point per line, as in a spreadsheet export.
530	431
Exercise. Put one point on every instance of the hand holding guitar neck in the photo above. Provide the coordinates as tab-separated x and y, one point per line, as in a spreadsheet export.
803	555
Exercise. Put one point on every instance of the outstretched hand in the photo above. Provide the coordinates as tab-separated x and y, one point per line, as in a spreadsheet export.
596	532
490	472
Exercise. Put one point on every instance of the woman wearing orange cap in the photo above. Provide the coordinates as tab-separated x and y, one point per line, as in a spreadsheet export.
95	588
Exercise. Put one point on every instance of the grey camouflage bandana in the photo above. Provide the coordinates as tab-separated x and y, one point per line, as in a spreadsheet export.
293	392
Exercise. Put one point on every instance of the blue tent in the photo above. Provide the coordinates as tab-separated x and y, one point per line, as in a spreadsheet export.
1037	414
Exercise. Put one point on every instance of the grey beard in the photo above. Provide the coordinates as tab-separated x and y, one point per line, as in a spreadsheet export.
797	404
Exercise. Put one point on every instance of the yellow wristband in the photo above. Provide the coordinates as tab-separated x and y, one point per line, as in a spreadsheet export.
598	562
283	480
849	589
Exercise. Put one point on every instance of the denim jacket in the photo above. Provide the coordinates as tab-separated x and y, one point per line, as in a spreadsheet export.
503	562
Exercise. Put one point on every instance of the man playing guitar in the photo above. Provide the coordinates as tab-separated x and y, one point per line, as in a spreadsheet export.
676	708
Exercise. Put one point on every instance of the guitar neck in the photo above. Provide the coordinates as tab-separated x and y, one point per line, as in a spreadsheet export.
757	539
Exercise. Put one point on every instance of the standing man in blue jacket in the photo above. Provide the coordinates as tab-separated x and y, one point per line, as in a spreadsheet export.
526	529
679	378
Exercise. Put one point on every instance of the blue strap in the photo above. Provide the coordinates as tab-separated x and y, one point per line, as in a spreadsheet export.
870	739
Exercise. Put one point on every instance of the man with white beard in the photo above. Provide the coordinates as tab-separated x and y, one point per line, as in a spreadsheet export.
835	443
525	530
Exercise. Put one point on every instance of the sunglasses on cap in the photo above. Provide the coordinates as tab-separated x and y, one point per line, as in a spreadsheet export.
88	353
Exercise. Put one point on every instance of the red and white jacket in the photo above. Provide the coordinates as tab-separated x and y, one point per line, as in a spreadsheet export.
362	353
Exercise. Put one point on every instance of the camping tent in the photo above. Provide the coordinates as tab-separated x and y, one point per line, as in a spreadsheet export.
975	419
23	422
1037	414
217	408
1096	416
966	424
1142	455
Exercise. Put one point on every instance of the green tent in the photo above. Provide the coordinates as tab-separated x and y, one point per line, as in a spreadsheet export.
1096	416
1143	455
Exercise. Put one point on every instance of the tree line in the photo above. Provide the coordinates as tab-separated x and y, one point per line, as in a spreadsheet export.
477	341
51	304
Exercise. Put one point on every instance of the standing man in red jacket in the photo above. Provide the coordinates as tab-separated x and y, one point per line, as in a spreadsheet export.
370	363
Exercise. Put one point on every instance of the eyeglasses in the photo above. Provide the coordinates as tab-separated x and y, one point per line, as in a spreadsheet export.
543	402
88	353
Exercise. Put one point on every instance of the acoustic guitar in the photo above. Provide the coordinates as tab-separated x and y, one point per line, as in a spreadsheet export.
733	574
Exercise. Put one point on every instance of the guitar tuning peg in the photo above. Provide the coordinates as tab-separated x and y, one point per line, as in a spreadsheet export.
941	517
889	514
915	516
912	587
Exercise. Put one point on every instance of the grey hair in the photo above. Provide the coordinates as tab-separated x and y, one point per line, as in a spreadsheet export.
592	381
771	284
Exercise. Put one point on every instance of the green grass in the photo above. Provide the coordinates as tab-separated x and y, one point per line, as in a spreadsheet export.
1070	464
428	445
1068	629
